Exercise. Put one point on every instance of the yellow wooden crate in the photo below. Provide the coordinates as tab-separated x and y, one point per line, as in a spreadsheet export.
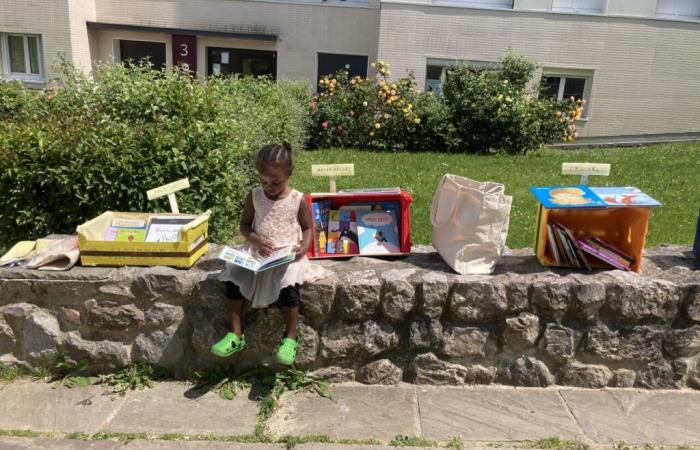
95	251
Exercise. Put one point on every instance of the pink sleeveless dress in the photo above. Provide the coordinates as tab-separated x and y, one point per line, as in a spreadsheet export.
276	220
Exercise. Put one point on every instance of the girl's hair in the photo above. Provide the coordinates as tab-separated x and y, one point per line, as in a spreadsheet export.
276	154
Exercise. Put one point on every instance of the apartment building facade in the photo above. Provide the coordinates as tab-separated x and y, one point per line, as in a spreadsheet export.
636	62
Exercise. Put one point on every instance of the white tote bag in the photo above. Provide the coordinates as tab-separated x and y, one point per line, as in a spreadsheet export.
470	223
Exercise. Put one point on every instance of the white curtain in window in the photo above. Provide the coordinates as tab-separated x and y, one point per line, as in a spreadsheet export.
678	8
579	6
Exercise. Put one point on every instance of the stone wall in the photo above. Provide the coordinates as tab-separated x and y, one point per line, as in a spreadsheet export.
378	321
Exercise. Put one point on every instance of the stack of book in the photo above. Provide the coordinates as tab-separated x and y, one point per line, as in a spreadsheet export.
358	228
155	229
568	251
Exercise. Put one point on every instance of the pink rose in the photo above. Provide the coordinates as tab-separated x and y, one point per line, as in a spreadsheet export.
324	125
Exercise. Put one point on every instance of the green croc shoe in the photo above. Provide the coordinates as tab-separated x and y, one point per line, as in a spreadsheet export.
228	345
287	352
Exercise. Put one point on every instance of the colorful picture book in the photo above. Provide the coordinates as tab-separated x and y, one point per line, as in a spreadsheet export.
582	196
333	235
130	235
378	232
565	250
166	228
257	263
319	214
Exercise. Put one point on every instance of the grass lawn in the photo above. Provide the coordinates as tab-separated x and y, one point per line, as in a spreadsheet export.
668	172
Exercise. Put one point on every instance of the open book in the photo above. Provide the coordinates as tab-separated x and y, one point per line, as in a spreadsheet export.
257	263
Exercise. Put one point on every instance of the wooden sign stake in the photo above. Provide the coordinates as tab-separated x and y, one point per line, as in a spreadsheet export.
169	190
332	171
585	170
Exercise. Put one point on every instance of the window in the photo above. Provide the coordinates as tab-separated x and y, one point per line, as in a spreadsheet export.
330	63
229	61
135	51
498	4
561	87
579	6
436	69
22	58
678	9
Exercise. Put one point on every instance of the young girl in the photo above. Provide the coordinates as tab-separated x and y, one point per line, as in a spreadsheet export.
274	216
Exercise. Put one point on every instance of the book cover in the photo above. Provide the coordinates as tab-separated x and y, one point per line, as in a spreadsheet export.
378	232
552	243
130	235
601	254
624	258
166	228
333	235
624	196
567	197
348	242
255	263
319	212
568	248
579	256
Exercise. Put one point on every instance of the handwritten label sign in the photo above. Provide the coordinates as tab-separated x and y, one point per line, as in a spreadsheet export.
169	189
332	171
585	170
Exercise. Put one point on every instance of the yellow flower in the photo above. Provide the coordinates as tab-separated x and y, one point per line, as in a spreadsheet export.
410	106
388	73
393	92
323	81
393	85
380	62
371	133
364	103
373	65
386	115
377	125
416	120
500	97
405	110
508	99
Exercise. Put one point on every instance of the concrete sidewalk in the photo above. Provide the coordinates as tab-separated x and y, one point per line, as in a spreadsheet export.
475	416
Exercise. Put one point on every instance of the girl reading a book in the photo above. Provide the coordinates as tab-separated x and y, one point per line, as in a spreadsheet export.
274	216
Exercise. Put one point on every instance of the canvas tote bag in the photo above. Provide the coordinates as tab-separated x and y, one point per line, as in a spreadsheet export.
470	223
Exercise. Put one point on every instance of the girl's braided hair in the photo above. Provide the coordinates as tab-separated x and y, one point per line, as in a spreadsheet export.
276	154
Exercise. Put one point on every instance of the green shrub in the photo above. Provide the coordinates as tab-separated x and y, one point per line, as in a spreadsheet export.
366	112
98	143
493	110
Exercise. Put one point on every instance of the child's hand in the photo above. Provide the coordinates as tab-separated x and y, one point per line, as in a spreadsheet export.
265	248
300	252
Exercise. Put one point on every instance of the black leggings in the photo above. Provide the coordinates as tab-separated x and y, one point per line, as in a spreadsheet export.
289	296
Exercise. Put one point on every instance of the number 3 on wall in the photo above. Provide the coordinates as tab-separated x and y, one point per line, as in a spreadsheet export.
183	50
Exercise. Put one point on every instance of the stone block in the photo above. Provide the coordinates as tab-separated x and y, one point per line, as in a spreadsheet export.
162	348
521	332
527	371
589	297
476	300
334	374
623	378
317	300
425	334
398	294
631	299
640	343
478	374
660	374
344	341
584	375
37	333
112	316
359	295
517	293
7	336
382	371
308	344
433	294
472	342
559	342
553	295
163	315
428	369
685	342
693	302
104	355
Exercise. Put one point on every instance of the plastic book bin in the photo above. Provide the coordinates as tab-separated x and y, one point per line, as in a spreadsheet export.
404	200
192	243
624	227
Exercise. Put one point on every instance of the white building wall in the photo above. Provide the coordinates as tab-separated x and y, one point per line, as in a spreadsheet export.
646	75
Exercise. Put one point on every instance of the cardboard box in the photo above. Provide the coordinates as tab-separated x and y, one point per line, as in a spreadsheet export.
191	243
403	199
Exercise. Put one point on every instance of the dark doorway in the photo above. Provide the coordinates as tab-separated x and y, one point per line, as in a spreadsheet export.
330	63
135	51
228	61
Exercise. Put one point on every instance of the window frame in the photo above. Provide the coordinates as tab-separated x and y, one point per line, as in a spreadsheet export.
445	64
474	4
6	65
563	75
665	16
601	12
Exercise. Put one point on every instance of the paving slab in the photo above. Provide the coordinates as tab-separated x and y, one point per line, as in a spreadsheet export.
172	407
199	445
355	412
637	417
323	446
22	443
38	406
494	414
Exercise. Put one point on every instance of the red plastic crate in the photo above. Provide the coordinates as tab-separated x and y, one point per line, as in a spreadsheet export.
403	198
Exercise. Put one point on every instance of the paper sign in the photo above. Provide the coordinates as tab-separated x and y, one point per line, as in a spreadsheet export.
332	170
585	169
224	57
168	188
